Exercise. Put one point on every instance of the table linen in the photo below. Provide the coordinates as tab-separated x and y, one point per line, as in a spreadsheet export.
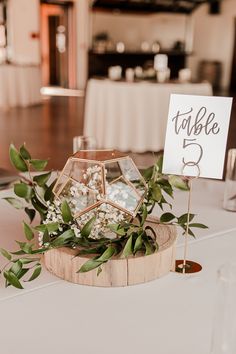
169	315
19	85
132	116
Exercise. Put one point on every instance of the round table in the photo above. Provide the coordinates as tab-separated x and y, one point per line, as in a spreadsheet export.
132	116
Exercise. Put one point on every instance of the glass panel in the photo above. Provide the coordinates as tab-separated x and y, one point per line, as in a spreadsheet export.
131	174
105	214
122	194
89	174
60	182
112	171
78	196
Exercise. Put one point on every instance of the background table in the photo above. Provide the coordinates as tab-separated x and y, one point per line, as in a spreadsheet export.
169	315
19	85
132	116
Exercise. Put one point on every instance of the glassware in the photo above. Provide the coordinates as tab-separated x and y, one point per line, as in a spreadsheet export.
83	143
230	182
224	327
102	183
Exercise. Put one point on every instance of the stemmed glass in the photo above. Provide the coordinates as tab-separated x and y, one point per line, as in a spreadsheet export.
224	326
83	143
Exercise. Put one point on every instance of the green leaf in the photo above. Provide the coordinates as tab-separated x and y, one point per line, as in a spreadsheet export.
31	213
51	227
18	253
22	272
99	271
183	219
117	229
5	254
40	207
63	238
189	232
46	237
144	214
40	250
98	261
156	193
41	228
49	194
159	164
66	212
148	246
165	185
95	250
16	203
16	159
107	254
29	260
39	165
41	180
24	246
36	273
90	265
167	217
28	232
178	182
149	228
22	190
86	230
200	226
147	174
16	268
128	249
12	279
25	153
138	243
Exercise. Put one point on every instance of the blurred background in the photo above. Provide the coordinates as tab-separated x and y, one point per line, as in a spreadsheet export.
67	67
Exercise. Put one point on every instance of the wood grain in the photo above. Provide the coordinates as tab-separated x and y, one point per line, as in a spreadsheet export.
118	271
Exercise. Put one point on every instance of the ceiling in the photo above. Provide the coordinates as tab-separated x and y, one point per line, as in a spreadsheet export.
150	6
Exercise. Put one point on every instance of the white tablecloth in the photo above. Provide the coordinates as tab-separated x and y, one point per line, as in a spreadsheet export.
166	316
19	85
132	116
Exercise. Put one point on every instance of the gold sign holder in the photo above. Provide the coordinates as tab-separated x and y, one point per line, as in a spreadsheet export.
184	265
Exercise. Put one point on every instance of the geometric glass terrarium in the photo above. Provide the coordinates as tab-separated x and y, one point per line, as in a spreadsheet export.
101	183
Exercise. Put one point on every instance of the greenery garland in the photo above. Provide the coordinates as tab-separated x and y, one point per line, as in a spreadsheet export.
34	195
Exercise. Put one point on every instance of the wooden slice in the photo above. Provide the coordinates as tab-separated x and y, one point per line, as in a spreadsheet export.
118	271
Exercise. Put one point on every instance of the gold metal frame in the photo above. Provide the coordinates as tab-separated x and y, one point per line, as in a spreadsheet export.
102	164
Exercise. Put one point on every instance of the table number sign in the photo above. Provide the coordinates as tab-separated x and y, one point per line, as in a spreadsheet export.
196	135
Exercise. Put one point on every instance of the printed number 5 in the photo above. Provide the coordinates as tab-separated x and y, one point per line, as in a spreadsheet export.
189	143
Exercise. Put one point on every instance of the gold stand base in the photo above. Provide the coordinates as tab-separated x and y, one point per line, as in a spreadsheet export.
190	267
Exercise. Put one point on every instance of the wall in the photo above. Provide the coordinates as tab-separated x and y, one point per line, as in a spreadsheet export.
214	38
83	25
134	29
213	35
23	21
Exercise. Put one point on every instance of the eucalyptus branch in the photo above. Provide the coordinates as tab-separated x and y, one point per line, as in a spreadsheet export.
59	228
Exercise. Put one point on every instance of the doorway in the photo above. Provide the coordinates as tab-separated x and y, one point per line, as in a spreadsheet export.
233	70
57	44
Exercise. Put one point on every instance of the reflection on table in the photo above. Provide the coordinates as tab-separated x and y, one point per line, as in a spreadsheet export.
132	116
19	85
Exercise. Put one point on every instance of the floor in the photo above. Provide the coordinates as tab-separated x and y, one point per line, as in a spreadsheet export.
48	130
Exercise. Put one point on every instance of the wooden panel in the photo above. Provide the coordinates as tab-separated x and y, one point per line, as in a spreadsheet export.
118	271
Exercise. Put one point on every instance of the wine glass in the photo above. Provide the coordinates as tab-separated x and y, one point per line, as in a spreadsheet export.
83	143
